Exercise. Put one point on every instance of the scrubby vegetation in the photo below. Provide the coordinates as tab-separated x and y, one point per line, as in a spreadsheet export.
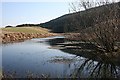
27	25
8	26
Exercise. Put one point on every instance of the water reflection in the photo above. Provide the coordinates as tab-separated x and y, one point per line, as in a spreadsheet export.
94	64
32	57
74	59
97	70
56	41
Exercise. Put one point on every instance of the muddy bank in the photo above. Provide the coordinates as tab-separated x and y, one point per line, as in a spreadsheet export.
17	37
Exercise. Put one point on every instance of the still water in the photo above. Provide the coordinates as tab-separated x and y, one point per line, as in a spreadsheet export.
37	57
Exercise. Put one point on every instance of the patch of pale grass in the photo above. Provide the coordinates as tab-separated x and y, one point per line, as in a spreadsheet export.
26	29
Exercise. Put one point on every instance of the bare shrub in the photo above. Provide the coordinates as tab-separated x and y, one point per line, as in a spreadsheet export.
104	33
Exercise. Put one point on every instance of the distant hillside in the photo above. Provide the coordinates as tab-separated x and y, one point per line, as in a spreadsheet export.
74	21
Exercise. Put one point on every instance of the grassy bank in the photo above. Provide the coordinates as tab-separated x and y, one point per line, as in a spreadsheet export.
25	30
15	34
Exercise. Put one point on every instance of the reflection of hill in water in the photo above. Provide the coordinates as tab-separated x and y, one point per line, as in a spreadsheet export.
95	63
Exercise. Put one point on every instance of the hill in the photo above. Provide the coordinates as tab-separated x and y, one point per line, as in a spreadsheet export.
77	21
25	30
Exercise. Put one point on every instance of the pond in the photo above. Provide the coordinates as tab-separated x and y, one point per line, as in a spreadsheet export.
48	57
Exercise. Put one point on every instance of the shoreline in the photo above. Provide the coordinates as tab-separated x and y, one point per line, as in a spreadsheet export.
20	37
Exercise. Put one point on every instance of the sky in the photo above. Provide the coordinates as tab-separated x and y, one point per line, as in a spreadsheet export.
14	13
